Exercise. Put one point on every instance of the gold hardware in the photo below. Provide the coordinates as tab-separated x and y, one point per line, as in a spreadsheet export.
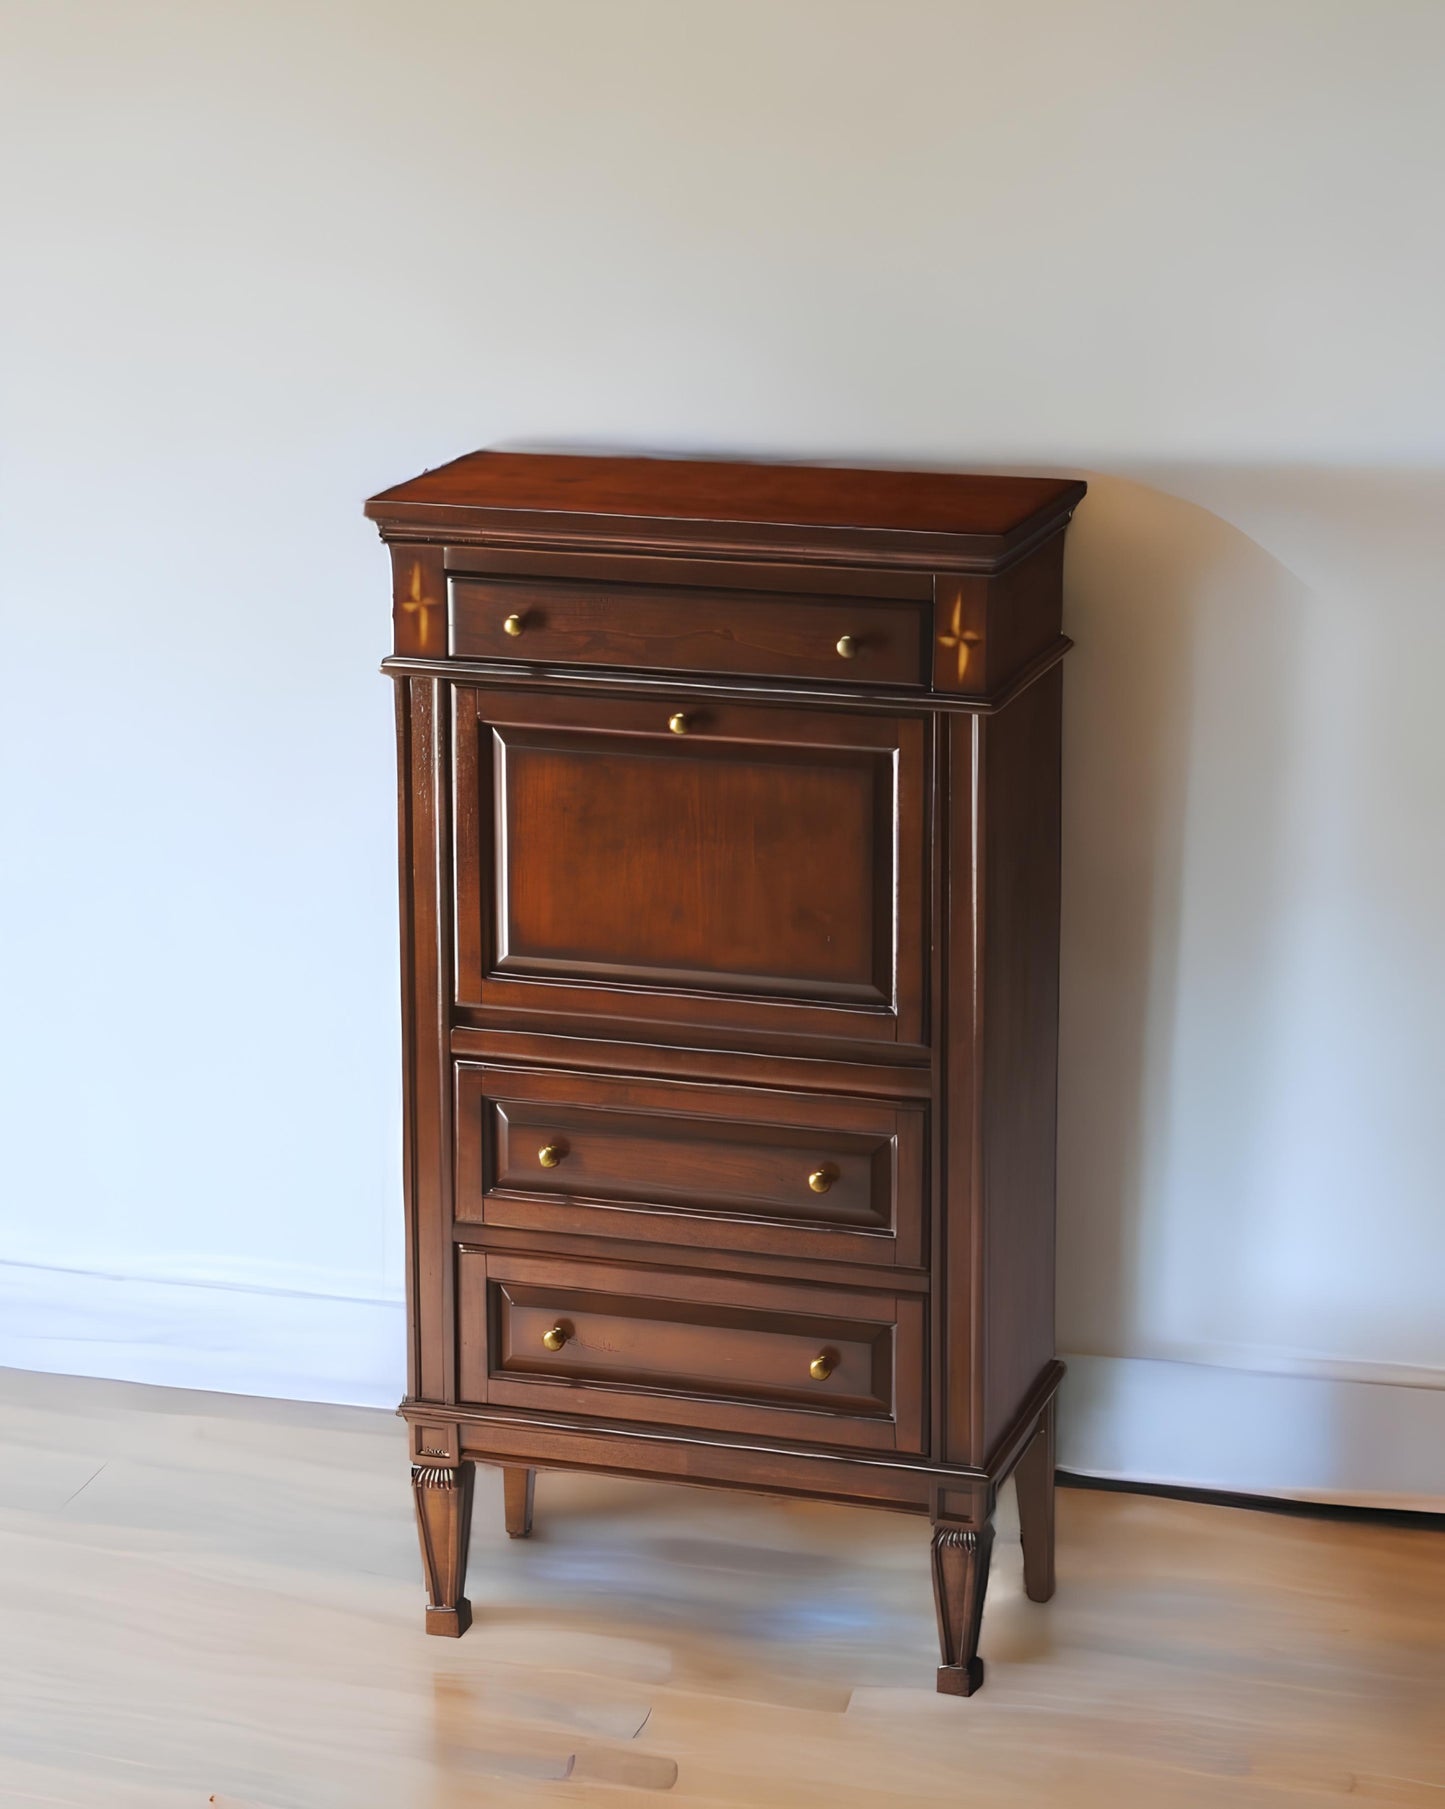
822	1179
677	722
550	1154
822	1366
556	1338
512	626
849	647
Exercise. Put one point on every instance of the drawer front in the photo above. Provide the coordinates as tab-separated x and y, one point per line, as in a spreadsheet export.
726	1168
780	1360
762	869
592	622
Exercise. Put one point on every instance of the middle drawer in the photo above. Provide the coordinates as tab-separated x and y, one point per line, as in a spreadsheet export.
677	1162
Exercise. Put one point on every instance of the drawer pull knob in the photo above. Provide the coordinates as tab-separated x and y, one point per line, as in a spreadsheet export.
550	1154
849	647
677	722
556	1338
822	1366
512	626
822	1179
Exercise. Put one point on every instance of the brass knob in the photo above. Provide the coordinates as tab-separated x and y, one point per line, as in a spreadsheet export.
849	647
822	1366
512	626
556	1338
677	722
550	1154
822	1179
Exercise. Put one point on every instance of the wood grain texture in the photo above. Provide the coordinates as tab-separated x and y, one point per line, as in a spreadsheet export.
442	1494
209	1597
714	504
692	1350
730	826
518	1490
961	1558
692	573
988	630
1019	1046
423	719
730	1168
739	1456
1034	1484
779	1069
603	623
686	873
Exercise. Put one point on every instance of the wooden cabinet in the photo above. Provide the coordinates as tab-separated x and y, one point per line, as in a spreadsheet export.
729	868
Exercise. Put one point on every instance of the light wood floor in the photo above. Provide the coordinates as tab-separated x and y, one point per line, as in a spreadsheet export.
204	1598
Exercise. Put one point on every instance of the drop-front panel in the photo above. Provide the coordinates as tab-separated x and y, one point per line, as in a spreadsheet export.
729	859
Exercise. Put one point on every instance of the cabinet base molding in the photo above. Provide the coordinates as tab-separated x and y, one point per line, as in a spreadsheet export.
960	1503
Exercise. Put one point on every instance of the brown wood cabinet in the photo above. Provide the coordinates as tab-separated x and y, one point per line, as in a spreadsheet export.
729	804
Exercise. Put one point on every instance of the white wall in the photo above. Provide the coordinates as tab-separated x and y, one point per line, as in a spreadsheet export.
264	259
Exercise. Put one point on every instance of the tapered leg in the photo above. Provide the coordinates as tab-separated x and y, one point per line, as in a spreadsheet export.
517	1485
1034	1484
960	1577
443	1497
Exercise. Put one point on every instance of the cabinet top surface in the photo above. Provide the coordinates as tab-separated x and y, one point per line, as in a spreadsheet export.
992	511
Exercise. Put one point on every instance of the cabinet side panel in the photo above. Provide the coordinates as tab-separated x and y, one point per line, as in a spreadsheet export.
424	753
1020	1045
1025	610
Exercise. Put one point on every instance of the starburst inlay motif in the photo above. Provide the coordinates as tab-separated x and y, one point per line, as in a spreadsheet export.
417	603
964	640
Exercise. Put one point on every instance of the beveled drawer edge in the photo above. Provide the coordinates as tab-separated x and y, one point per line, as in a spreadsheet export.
516	1047
472	1238
543	531
832	581
621	681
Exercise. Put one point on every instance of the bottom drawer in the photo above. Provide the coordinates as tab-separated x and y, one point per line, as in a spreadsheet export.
783	1360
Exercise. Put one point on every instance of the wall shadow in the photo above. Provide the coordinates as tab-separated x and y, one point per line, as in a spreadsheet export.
1252	978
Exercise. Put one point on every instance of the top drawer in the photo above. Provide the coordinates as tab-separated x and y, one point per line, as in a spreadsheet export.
681	615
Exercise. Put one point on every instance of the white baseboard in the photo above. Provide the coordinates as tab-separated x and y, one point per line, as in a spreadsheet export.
1187	1425
234	1340
1301	1436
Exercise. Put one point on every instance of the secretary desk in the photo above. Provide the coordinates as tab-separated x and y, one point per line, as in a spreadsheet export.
729	830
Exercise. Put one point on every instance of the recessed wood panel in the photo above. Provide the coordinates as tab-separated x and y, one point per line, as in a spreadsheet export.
737	897
649	1345
735	1168
761	859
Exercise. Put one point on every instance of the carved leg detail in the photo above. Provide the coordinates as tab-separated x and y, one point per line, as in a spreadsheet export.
960	1577
443	1498
1034	1485
517	1486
